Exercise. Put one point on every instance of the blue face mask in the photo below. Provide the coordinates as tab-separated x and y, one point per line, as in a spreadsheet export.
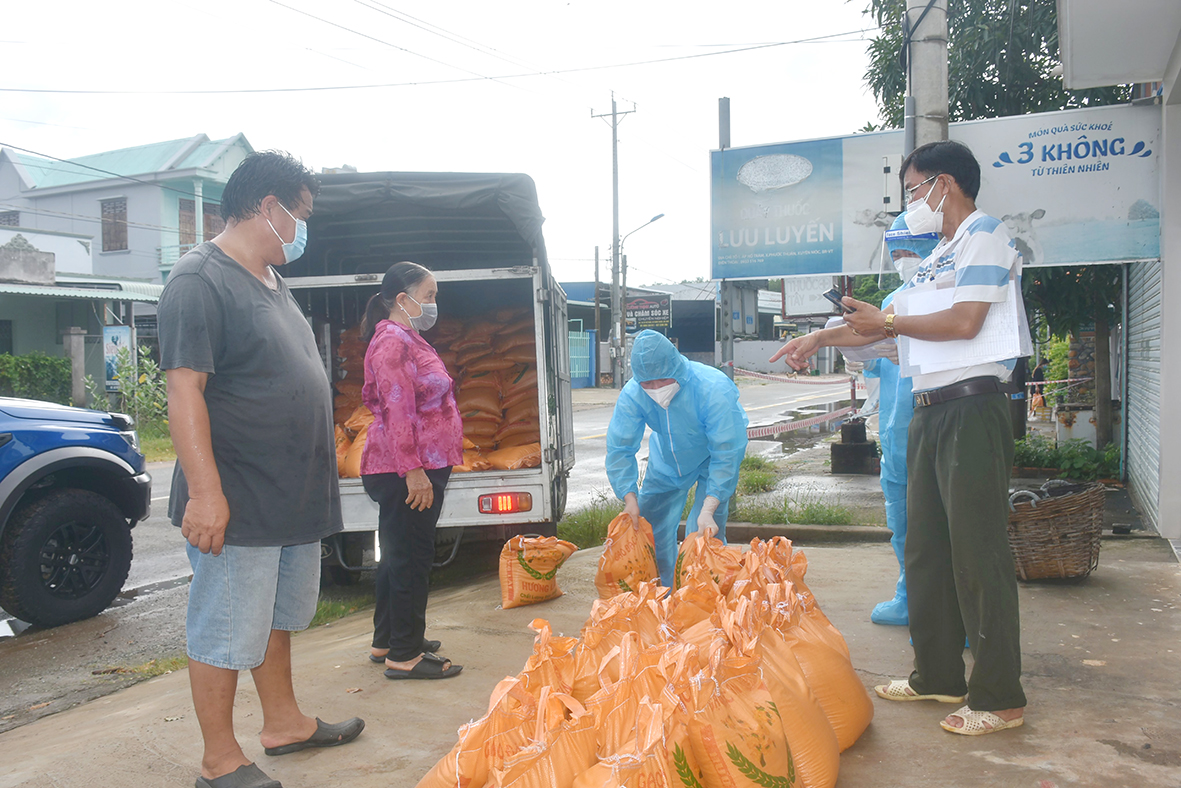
294	250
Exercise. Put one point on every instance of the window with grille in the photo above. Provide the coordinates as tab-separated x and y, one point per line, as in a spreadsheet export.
114	214
10	218
213	223
187	222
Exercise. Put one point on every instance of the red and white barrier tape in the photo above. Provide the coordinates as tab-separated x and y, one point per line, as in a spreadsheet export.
746	373
790	426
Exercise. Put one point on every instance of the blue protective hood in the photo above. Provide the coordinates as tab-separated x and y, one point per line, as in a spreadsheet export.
654	357
899	237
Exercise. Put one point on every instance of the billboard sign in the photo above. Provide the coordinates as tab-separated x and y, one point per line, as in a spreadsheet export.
1078	186
115	338
649	311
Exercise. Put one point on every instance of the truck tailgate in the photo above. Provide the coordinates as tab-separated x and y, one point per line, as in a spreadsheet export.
460	501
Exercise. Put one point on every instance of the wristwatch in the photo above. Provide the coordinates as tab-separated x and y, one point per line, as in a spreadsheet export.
890	332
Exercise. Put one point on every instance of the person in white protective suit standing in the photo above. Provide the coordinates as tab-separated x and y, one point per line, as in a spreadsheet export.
698	438
907	250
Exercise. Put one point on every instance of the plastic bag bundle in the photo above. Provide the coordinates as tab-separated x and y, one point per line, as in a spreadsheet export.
529	569
736	678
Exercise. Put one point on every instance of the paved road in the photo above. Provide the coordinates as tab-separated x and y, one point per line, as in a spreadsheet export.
765	403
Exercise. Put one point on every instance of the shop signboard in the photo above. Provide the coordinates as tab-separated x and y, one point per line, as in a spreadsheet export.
649	311
1077	186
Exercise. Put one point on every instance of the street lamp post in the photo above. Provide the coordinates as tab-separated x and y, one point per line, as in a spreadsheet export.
622	365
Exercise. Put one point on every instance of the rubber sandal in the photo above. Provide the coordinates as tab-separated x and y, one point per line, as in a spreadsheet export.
900	690
431	666
428	646
248	776
979	723
326	735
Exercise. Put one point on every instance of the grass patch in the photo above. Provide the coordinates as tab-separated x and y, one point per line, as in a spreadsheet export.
750	482
158	667
801	511
336	603
756	463
157	447
587	527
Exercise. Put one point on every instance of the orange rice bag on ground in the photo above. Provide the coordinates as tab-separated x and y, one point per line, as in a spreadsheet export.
529	568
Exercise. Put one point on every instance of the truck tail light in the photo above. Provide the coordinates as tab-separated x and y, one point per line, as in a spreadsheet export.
506	503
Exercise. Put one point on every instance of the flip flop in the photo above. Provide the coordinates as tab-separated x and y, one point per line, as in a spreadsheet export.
428	646
326	735
900	690
979	723
431	666
248	776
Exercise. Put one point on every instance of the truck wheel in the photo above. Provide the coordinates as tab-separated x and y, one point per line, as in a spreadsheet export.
63	557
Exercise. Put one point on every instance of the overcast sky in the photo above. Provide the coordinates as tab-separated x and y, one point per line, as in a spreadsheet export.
453	105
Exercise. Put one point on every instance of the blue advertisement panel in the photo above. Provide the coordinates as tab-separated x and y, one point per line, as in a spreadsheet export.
115	338
776	208
1072	187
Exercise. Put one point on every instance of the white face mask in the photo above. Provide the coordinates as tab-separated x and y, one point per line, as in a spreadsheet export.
920	219
664	395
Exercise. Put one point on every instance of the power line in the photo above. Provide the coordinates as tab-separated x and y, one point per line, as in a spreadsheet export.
380	41
99	169
455	80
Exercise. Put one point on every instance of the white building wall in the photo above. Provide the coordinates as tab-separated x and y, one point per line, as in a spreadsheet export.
71	252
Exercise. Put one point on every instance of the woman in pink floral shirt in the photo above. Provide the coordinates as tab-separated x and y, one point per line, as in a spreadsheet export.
414	440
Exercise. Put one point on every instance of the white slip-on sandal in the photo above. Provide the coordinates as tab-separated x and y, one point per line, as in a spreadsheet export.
900	690
978	723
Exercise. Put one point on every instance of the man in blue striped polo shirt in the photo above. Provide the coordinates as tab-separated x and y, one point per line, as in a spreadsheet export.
960	572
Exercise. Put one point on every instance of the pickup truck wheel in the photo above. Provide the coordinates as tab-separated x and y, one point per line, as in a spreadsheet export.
63	557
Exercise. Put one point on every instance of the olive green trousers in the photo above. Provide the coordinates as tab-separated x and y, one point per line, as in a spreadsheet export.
961	579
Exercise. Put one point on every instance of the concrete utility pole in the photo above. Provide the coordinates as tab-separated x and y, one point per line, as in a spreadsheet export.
598	326
618	343
926	61
726	289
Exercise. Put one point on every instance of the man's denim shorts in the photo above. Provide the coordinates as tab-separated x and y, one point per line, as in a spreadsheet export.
238	597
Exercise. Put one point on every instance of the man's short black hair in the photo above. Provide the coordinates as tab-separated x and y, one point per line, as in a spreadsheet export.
261	174
948	158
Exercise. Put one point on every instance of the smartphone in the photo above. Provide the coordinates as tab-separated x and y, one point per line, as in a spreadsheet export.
834	296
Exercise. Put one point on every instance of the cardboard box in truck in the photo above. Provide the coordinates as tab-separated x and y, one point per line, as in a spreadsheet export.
502	331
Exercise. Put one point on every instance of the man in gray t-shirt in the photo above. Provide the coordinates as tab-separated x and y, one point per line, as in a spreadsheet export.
255	486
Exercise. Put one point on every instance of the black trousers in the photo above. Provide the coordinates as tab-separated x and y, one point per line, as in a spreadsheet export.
407	539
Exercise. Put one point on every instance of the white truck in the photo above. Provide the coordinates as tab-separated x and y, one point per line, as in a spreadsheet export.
480	234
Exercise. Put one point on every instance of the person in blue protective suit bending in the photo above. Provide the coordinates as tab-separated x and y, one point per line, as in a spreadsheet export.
698	438
897	406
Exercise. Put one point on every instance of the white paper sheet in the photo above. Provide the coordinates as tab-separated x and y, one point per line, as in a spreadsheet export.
999	338
881	349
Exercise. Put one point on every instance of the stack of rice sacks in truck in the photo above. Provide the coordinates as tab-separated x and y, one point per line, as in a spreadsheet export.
492	358
351	417
734	679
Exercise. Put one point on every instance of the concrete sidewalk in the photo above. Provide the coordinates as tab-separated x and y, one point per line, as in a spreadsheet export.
1102	662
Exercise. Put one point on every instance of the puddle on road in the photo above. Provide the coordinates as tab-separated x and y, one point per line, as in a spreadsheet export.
807	437
14	627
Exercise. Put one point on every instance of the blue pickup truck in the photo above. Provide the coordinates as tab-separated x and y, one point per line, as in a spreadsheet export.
72	485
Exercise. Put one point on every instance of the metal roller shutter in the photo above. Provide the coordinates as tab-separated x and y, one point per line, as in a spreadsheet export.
1143	407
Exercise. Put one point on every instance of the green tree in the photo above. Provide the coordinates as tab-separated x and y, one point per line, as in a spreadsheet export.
1067	299
865	288
1001	57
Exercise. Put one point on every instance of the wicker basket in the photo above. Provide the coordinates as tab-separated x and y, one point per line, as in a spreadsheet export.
1058	536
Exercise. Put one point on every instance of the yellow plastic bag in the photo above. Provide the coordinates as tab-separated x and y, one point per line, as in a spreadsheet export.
484	744
736	730
723	561
529	569
563	747
629	557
